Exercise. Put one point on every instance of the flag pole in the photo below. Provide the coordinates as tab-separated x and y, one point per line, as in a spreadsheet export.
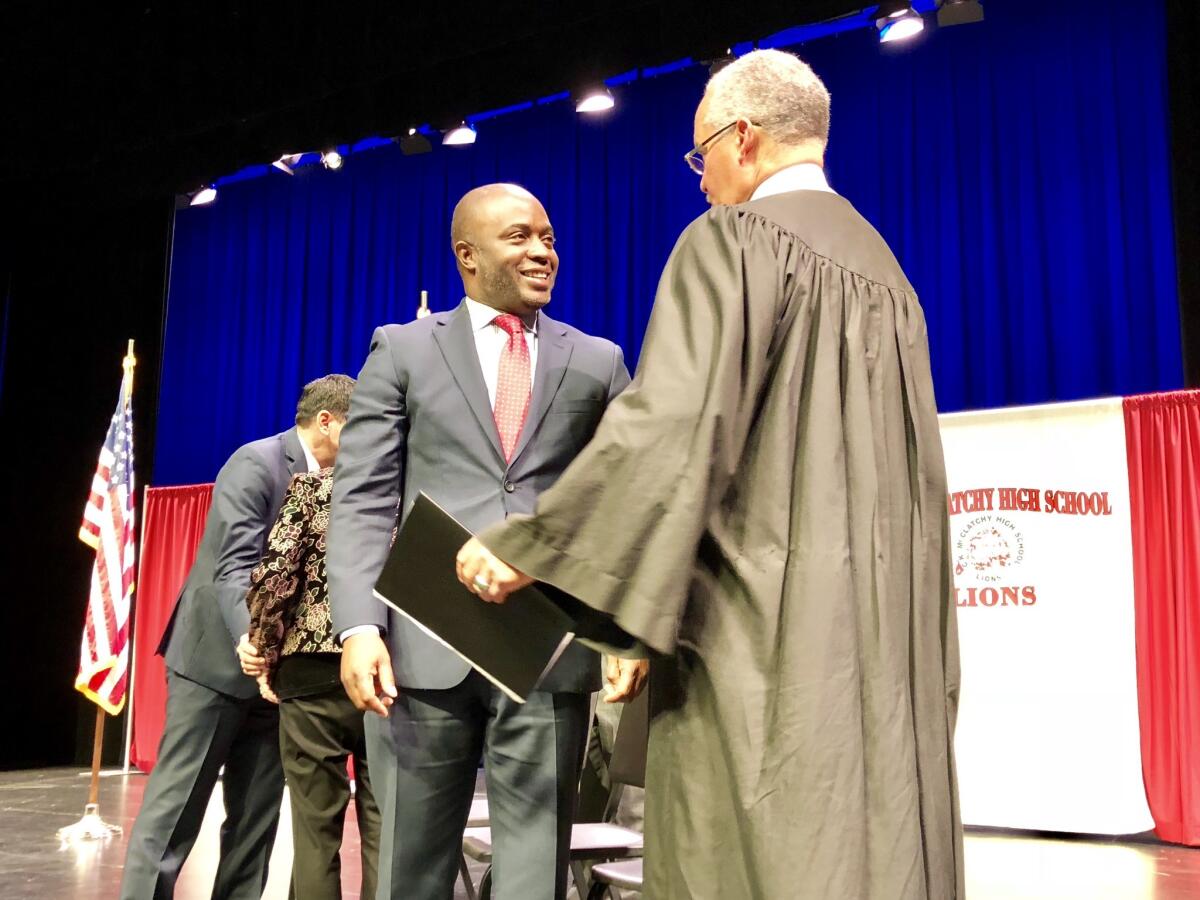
97	750
91	827
128	364
133	646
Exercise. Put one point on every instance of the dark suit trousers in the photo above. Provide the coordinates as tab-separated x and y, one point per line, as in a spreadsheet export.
316	735
204	731
532	754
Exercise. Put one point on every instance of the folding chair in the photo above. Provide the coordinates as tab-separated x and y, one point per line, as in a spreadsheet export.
626	873
476	818
627	766
590	841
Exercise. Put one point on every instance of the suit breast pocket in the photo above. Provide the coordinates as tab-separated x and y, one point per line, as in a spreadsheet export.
572	422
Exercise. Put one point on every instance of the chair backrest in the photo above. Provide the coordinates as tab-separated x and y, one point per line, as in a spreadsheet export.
628	763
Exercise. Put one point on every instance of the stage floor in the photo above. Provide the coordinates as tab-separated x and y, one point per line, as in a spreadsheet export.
1000	865
34	804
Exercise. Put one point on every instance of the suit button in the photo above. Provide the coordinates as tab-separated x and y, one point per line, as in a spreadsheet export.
509	486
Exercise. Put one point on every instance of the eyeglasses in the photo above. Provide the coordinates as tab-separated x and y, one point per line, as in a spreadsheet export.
695	157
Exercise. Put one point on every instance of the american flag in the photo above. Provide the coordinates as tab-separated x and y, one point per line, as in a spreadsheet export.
108	529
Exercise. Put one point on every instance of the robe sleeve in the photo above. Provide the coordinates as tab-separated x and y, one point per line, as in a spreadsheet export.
621	529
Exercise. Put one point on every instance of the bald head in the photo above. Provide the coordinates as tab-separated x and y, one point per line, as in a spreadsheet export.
504	248
478	203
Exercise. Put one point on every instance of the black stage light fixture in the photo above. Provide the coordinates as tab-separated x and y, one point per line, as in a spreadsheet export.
716	65
715	56
958	12
413	143
713	53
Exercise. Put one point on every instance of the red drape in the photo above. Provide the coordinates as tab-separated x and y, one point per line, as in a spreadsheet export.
1162	434
174	520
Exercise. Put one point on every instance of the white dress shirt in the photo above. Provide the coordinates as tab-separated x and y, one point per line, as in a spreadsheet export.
490	340
309	459
800	177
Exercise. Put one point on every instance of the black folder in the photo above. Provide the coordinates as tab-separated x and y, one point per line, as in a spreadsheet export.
512	644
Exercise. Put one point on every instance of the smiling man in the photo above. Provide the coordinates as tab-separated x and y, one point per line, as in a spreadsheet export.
481	408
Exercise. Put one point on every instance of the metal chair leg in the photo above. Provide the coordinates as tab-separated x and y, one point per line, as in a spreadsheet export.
579	876
468	884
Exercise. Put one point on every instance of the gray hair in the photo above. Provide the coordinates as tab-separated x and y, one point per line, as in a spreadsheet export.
775	91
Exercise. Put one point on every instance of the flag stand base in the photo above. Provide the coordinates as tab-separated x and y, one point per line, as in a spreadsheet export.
90	828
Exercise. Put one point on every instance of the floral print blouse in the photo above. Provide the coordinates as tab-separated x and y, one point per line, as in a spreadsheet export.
288	599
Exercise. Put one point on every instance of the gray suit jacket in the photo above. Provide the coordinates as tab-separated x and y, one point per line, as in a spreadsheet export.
420	420
211	612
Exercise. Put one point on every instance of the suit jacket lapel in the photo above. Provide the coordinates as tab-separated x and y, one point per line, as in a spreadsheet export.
457	343
554	353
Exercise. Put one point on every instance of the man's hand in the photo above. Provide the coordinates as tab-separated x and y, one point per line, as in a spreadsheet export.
624	679
264	689
252	663
367	672
483	573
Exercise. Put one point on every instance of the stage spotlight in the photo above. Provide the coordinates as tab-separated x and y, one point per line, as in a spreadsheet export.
958	12
897	21
203	197
287	162
594	100
461	135
332	160
413	143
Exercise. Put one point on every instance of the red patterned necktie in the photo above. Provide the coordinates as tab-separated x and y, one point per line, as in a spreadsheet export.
513	384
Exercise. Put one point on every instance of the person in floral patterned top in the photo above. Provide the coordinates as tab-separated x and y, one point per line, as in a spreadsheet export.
291	631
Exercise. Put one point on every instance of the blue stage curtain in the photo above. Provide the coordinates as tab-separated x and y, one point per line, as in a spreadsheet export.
1018	168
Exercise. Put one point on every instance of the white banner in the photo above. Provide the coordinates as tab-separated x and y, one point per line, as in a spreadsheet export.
1040	534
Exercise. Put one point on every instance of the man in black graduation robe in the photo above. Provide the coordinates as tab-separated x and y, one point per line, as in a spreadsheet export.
765	508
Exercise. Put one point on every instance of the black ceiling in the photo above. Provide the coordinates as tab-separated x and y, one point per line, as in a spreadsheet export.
156	98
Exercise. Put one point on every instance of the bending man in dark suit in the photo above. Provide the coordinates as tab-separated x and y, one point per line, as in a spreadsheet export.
215	716
481	408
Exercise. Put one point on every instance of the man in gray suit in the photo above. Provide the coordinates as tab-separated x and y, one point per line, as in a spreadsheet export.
481	408
215	716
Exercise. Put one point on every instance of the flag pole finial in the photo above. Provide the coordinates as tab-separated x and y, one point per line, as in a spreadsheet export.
127	364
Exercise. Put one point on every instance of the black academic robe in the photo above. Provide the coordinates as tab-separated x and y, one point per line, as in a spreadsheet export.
765	507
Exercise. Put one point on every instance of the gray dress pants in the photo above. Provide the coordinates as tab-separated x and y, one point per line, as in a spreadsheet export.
204	731
532	754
